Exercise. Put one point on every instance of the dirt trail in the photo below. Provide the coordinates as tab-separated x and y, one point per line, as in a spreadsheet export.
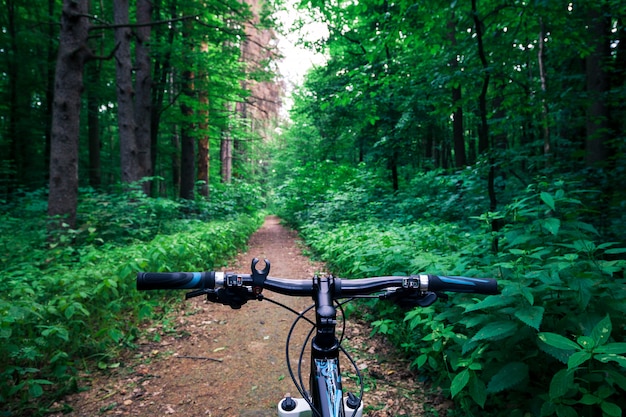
210	360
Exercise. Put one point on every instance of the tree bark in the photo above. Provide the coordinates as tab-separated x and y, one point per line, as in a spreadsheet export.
125	94
93	131
94	72
162	70
187	151
226	157
143	92
483	130
203	141
460	159
73	51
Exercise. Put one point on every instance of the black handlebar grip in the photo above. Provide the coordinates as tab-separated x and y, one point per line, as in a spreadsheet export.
463	284
174	280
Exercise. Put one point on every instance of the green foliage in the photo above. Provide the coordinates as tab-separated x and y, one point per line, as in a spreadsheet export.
65	301
551	343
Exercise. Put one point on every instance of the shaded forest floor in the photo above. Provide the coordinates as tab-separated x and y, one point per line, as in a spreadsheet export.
210	360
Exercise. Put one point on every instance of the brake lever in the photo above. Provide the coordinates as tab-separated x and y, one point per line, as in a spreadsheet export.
198	293
410	299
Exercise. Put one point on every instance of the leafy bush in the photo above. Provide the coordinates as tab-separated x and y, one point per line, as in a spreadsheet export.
64	301
551	343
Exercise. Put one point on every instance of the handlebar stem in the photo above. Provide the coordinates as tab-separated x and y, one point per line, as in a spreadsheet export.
325	343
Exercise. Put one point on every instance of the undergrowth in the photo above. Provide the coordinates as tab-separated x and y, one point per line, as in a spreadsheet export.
73	300
552	343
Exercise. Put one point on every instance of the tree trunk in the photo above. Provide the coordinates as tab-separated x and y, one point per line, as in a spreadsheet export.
63	194
52	52
175	159
226	157
598	132
458	139
162	70
93	131
187	151
94	72
125	95
483	130
143	92
203	142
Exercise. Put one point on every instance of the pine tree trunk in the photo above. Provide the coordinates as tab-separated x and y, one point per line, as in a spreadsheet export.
187	151
125	95
226	157
203	141
63	194
460	159
143	92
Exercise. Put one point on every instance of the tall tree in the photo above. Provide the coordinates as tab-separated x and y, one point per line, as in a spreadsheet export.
73	51
143	91
203	127
187	137
129	151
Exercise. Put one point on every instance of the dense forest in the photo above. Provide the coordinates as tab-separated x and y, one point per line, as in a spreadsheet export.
477	138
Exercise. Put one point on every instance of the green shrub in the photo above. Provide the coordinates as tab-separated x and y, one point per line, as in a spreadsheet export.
64	301
551	343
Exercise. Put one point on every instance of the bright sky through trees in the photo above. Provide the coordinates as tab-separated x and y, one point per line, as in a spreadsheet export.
297	59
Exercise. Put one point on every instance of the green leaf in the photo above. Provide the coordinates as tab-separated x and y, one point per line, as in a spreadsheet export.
577	359
496	331
565	411
617	348
589	399
558	341
615	251
561	382
613	377
69	311
490	302
508	376
35	390
459	382
115	335
586	342
421	360
610	409
611	357
477	390
531	316
547	199
552	225
602	331
528	295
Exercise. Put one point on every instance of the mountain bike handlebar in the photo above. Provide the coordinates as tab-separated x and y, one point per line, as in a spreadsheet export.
325	398
250	286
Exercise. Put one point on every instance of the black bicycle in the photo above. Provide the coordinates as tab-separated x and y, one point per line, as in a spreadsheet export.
325	398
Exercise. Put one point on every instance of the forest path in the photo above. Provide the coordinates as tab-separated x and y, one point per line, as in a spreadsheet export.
210	360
